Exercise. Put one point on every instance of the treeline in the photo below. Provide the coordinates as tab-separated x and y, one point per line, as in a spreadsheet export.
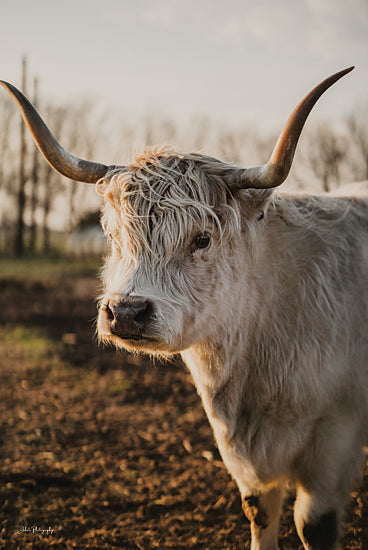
29	188
34	198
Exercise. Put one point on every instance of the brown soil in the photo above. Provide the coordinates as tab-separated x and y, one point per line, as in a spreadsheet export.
106	449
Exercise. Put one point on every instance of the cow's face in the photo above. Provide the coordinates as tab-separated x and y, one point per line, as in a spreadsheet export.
175	232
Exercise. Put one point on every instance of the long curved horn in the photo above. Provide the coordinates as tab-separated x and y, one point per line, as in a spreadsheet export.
61	160
277	169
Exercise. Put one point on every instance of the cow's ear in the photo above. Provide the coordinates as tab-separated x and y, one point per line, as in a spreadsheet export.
253	202
109	190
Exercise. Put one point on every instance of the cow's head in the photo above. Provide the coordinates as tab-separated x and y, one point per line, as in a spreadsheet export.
173	219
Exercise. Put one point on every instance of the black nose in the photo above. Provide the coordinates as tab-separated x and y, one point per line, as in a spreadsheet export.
129	316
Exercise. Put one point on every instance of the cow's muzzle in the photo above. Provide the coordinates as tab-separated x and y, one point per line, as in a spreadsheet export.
127	317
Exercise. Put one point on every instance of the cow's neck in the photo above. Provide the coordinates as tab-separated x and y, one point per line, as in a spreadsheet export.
245	366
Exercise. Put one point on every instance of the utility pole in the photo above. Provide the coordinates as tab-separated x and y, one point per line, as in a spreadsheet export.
34	178
21	202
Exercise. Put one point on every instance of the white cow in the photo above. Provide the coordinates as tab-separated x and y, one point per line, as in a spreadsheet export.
265	297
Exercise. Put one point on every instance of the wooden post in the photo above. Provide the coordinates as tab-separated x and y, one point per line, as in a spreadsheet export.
34	189
21	202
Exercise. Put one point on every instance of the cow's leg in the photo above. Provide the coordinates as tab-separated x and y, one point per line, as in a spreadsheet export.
263	511
325	477
317	522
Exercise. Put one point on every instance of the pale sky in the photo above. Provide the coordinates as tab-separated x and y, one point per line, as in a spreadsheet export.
236	61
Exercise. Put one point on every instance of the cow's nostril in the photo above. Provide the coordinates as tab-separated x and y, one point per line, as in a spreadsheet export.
143	314
110	313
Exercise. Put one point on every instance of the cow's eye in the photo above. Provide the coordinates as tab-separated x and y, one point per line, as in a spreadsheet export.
201	241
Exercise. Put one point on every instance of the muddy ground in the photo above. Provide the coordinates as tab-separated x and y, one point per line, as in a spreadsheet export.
102	450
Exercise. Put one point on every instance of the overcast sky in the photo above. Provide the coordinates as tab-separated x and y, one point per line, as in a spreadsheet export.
237	61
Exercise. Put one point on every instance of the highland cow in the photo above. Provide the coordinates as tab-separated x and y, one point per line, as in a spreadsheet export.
265	297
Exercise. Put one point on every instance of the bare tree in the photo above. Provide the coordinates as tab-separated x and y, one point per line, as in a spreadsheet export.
51	182
358	131
34	189
157	131
80	138
229	146
202	131
21	197
35	198
6	153
71	124
8	174
327	151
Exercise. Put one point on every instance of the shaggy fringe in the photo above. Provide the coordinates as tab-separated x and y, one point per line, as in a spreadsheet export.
165	196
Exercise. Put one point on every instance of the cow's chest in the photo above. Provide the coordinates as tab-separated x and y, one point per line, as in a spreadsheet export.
258	448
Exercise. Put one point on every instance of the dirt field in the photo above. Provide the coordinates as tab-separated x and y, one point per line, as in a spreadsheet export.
102	450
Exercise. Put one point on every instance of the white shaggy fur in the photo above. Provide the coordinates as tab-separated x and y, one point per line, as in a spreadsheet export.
271	319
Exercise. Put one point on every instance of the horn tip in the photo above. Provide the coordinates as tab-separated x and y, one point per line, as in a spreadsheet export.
346	71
